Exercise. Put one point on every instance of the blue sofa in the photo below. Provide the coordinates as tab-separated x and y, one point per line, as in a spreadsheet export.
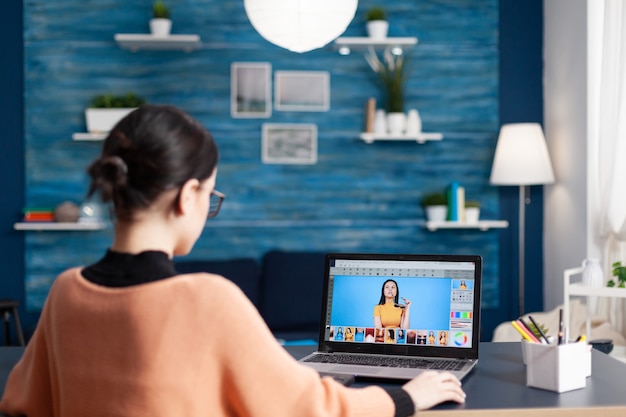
286	287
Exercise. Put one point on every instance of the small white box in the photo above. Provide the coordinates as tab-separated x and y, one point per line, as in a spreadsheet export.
558	368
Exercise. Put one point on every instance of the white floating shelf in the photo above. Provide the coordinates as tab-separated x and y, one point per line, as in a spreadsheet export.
581	289
52	226
365	42
85	136
135	42
419	138
482	225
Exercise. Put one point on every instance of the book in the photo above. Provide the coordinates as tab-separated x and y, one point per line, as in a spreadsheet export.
370	110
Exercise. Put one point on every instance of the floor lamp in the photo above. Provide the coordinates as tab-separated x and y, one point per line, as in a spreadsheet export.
521	159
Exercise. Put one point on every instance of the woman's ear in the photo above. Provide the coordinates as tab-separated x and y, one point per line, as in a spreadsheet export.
187	196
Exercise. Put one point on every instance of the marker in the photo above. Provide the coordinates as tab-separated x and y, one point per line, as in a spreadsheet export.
561	327
541	333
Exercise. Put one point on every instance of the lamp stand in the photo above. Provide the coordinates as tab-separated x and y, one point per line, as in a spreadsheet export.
521	232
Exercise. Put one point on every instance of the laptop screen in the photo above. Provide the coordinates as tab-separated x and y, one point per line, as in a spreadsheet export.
401	303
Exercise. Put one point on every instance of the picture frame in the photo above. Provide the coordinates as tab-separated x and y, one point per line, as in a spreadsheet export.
251	89
302	90
285	143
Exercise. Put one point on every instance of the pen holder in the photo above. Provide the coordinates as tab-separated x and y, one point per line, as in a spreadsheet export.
558	368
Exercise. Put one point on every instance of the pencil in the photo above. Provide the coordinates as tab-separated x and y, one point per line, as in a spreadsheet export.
522	332
525	327
541	333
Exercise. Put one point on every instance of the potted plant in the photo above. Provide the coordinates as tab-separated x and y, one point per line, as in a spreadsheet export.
160	24
472	211
436	206
377	25
619	271
105	110
392	73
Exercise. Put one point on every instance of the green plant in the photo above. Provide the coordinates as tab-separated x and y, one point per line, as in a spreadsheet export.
393	74
434	199
160	10
535	331
108	101
619	271
471	203
376	13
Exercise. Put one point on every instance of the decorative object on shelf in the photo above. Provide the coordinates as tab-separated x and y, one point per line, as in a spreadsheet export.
370	114
380	122
472	211
522	159
456	202
300	25
377	25
38	214
436	207
92	211
66	212
619	272
592	277
392	73
105	110
160	24
413	122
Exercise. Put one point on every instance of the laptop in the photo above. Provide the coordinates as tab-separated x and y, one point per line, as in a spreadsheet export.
432	321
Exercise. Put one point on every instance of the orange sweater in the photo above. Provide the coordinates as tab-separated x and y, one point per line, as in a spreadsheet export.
192	345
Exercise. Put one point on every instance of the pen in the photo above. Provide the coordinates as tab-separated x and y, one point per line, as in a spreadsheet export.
522	332
525	327
560	336
541	333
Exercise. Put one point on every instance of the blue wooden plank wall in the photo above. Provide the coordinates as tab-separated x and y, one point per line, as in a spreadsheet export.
357	197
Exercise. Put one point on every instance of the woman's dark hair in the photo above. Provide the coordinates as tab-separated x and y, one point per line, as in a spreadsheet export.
382	292
153	149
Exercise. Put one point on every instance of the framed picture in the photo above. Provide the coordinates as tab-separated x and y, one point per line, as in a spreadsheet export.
250	89
302	90
289	143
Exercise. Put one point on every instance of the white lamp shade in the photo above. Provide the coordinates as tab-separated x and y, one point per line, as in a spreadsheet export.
521	156
300	25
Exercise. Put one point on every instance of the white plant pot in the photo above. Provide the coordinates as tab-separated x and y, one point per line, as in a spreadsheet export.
472	214
103	120
377	29
396	123
436	213
160	27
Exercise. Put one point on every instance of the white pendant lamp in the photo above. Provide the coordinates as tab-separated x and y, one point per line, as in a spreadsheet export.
300	25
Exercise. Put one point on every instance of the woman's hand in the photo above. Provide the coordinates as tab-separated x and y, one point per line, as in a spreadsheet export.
431	388
406	302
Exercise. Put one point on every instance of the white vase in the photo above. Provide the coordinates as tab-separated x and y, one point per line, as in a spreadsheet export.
396	123
413	123
377	29
380	122
160	27
592	277
103	120
436	213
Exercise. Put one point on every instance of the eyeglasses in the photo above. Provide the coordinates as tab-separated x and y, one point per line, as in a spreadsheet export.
215	203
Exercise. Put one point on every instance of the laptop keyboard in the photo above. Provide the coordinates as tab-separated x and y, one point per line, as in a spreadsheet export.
389	361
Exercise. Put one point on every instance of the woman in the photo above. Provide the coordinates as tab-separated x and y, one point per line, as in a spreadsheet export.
388	312
129	336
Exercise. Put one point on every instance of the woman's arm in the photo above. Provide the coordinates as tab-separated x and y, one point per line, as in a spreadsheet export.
405	321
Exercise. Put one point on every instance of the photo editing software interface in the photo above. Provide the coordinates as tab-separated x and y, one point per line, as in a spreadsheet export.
401	302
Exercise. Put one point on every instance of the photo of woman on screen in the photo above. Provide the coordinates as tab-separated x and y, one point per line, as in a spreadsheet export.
389	312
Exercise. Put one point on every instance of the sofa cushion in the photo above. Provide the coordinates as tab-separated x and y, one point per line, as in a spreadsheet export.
291	294
245	272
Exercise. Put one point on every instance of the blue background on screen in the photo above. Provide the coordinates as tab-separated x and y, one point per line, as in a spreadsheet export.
354	298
